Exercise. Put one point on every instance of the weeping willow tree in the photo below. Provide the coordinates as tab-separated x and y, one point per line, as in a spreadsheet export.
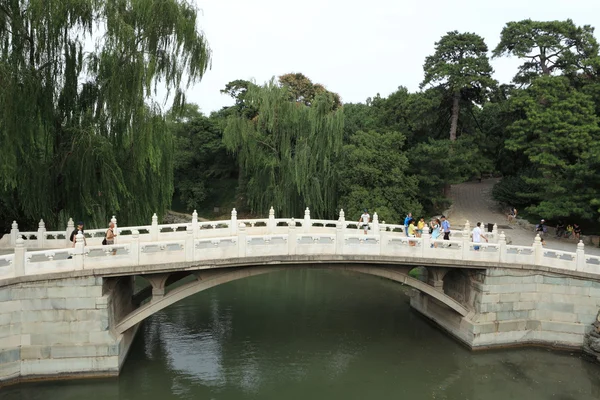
286	151
79	132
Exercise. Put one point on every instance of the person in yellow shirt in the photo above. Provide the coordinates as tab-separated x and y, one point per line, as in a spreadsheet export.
412	232
420	226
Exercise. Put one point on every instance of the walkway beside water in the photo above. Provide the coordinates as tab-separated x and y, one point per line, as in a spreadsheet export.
473	201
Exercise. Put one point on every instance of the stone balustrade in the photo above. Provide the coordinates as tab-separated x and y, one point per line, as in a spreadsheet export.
203	241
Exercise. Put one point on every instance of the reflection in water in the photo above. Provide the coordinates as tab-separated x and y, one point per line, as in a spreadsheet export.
303	334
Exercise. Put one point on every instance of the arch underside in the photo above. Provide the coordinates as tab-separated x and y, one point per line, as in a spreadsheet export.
210	278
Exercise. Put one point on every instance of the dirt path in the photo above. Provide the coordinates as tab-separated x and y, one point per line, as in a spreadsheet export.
473	201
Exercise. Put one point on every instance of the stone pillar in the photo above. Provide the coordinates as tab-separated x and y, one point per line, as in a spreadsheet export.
78	250
41	235
494	234
233	224
466	242
241	234
14	233
271	222
580	257
292	237
467	227
375	224
502	247
70	228
116	230
19	266
134	247
340	233
195	226
435	278
537	250
425	241
154	228
189	244
306	225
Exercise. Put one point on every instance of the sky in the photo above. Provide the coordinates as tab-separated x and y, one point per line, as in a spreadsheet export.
354	48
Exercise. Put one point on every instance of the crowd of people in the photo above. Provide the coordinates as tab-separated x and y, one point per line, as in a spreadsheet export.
438	228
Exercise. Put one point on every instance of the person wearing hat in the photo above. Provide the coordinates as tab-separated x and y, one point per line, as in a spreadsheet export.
74	234
540	228
364	219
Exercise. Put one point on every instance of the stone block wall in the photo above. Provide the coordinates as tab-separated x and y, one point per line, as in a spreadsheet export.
59	327
520	306
516	307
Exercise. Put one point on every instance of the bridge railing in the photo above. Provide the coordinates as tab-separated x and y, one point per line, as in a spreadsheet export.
293	239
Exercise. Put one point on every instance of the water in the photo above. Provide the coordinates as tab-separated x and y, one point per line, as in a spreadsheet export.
313	334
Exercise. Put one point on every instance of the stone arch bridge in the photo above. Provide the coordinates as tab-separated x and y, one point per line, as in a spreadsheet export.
75	311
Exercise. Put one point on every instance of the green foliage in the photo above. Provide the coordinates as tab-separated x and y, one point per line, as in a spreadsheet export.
513	191
302	90
373	174
78	125
203	169
548	47
559	135
286	151
460	64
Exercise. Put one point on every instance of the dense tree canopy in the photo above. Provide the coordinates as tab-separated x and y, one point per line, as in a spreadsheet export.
79	133
287	150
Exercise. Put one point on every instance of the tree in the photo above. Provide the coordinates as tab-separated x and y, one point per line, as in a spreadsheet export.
548	47
459	64
374	175
559	134
203	170
78	125
287	150
302	90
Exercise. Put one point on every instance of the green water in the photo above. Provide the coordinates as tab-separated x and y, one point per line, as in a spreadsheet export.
312	334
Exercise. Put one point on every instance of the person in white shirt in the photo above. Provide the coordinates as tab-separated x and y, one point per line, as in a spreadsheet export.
364	220
477	235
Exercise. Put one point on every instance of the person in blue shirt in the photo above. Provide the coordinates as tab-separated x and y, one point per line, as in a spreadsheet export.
446	228
407	222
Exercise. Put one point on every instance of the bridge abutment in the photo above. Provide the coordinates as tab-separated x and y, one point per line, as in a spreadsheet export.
62	328
516	307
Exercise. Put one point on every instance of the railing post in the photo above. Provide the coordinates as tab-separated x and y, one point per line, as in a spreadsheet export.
502	247
375	224
292	237
195	226
307	224
466	242
189	244
41	235
233	224
271	222
115	229
14	234
78	251
340	233
495	233
134	249
70	228
580	257
425	241
241	234
19	267
537	250
154	228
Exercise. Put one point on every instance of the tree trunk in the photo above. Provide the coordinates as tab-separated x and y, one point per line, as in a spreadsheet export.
455	110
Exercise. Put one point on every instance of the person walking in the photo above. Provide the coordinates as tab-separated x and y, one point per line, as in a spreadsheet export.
407	222
364	219
435	231
412	232
540	229
477	235
109	237
446	228
73	237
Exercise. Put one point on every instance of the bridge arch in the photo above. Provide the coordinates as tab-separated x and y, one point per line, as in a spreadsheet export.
210	278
